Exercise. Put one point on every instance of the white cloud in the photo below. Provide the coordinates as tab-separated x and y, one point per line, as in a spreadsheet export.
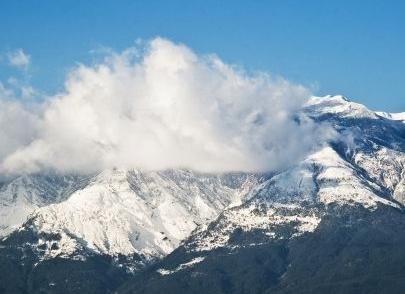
19	59
18	126
163	106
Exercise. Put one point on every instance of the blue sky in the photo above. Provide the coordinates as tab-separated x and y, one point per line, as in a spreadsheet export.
354	48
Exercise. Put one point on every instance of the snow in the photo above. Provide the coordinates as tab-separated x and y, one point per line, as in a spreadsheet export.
132	212
338	105
323	177
248	218
386	168
393	116
339	182
24	194
182	266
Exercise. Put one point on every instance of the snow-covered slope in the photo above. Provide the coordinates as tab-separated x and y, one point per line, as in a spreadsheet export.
293	198
142	213
338	105
24	194
394	116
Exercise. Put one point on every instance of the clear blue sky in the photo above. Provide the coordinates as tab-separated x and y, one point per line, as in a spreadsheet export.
355	48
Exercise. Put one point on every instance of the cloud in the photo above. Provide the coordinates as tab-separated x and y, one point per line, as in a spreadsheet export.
163	106
19	59
18	126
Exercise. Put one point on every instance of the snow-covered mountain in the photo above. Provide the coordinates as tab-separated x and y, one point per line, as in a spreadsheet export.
183	224
22	195
394	116
143	213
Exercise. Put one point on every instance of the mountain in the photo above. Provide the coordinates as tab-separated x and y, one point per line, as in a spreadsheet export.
21	196
332	222
394	116
145	214
116	223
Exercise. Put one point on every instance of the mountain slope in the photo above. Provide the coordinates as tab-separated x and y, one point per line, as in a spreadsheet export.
21	196
352	250
394	116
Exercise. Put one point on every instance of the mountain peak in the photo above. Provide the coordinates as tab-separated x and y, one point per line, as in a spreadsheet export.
338	105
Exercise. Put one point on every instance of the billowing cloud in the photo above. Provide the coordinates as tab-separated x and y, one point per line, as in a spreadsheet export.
19	59
164	106
18	126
